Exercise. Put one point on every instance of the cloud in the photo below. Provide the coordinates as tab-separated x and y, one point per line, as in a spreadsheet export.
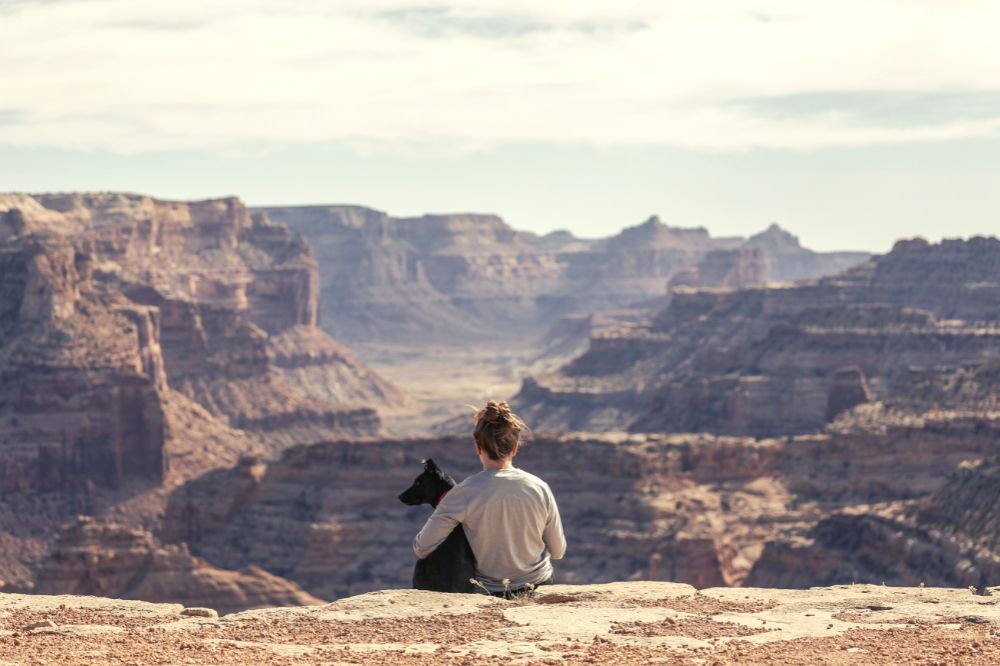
899	109
441	21
134	76
158	24
11	116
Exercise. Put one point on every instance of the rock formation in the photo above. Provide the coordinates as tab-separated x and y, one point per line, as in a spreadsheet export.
848	390
698	509
834	409
781	360
111	560
451	278
82	374
162	366
787	261
891	365
729	269
200	298
144	342
948	538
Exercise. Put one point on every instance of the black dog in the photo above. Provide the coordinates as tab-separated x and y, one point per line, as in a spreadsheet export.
452	564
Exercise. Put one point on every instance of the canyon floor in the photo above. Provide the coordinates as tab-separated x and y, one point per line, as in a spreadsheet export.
616	623
445	383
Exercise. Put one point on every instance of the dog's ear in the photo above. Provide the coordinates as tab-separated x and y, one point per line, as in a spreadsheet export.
430	465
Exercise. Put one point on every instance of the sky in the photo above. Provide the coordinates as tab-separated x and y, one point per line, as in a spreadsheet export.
850	123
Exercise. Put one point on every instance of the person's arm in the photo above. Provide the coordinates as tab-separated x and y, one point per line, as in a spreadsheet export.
553	535
445	518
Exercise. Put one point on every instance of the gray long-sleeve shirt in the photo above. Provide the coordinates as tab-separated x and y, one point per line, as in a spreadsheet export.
511	520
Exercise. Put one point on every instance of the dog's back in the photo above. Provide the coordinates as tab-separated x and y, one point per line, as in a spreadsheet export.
452	565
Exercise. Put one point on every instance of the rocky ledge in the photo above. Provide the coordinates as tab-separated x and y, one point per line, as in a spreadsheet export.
615	623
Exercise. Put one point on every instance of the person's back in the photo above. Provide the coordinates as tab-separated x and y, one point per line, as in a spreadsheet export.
510	516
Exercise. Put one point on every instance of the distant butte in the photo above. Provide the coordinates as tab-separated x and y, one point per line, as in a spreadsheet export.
773	360
452	278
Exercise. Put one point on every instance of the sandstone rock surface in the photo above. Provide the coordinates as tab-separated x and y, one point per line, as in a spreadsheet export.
701	509
780	360
162	366
451	278
112	300
619	623
110	560
948	537
144	342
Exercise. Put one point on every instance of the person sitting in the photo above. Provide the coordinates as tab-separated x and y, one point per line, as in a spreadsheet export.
509	516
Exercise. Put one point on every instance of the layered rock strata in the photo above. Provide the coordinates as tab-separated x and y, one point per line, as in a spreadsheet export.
202	298
111	560
780	360
83	379
451	278
731	269
145	342
893	366
698	509
947	538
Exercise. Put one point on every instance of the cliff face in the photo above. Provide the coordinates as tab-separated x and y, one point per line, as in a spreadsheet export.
222	307
781	360
143	342
700	509
209	252
730	269
110	560
787	261
451	278
968	504
82	375
950	537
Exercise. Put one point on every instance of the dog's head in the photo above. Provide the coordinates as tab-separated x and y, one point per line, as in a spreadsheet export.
428	487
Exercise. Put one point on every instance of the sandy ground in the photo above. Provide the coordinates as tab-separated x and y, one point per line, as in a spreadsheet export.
618	623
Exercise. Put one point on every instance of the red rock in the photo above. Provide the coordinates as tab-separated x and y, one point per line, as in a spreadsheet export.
449	278
690	508
111	560
143	342
849	389
730	269
768	361
199	289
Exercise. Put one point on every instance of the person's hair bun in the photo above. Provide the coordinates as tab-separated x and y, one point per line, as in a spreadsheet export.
498	430
496	413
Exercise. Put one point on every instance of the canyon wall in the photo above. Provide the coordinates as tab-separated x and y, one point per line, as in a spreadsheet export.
454	278
200	298
788	359
701	509
111	560
164	373
949	537
893	366
83	379
145	342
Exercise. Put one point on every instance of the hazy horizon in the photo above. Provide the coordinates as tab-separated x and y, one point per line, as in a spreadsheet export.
851	125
